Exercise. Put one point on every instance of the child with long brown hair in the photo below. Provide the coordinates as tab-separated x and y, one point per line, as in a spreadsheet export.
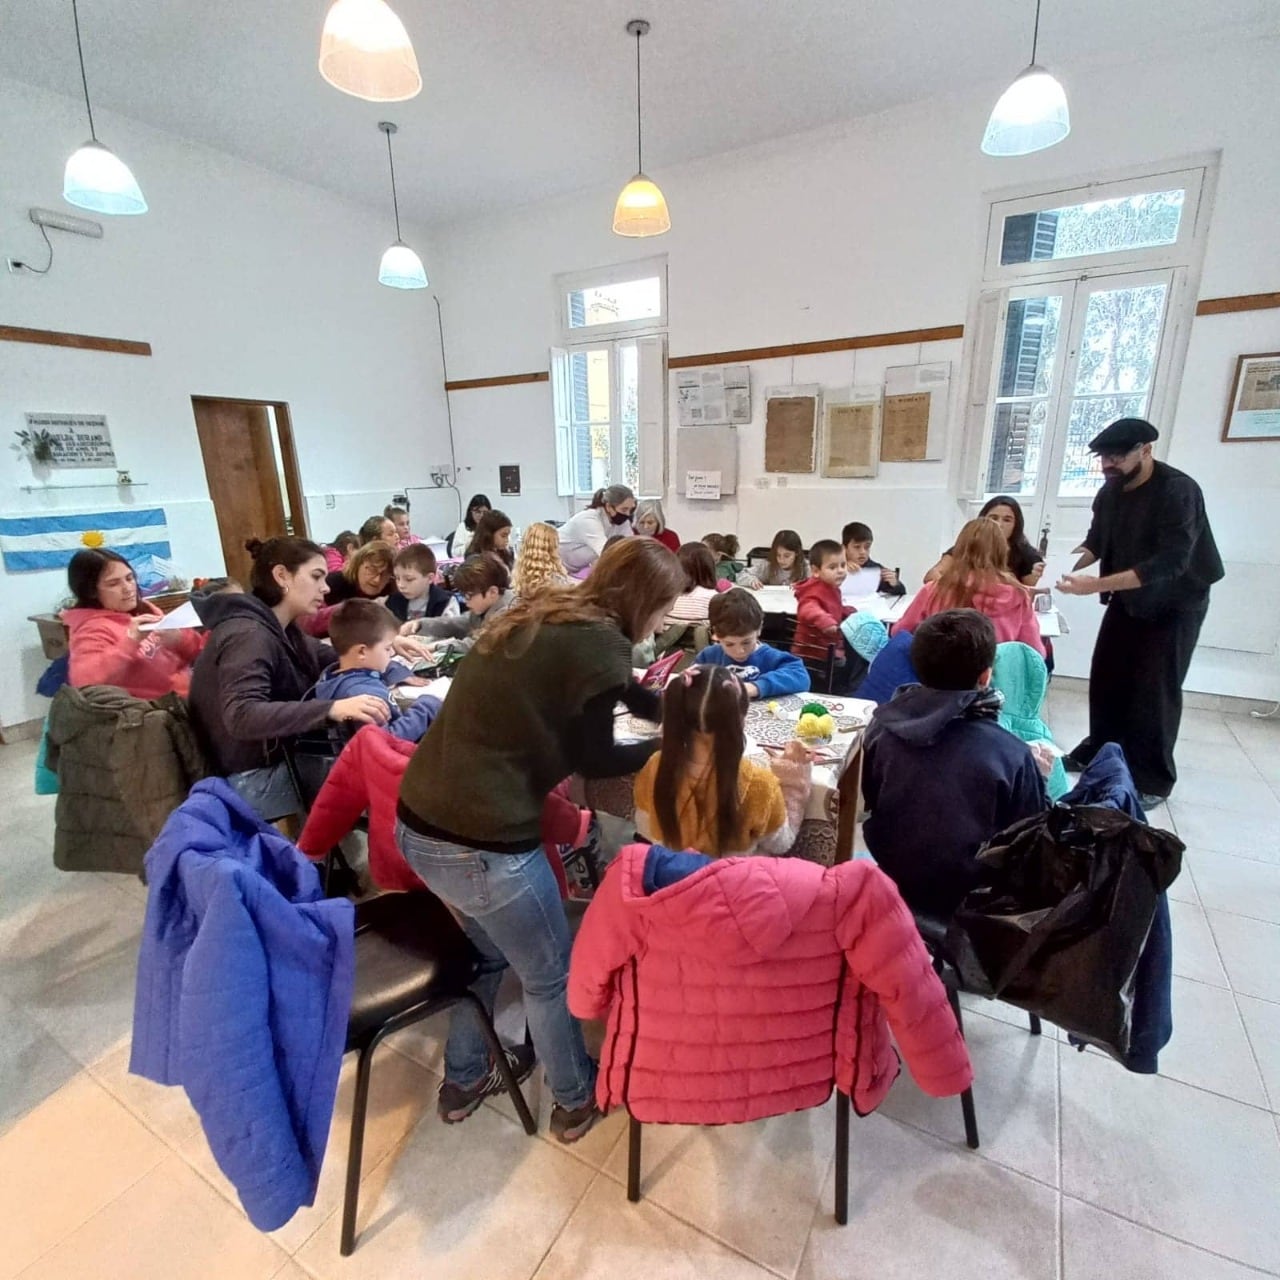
699	792
492	538
700	585
538	563
785	566
977	576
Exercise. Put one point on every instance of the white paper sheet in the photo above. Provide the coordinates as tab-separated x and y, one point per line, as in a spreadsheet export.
182	618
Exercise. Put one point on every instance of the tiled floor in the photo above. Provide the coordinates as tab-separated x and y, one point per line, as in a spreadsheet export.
1084	1170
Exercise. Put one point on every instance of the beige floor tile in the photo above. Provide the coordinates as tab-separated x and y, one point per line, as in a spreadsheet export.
1209	1048
77	1151
1015	1095
164	1109
1220	759
1262	1022
1251	952
919	1208
753	1186
1209	727
167	1226
1241	791
1172	1158
1194	954
1241	886
477	1199
609	1239
1097	1244
291	1271
1243	834
1006	1013
400	1094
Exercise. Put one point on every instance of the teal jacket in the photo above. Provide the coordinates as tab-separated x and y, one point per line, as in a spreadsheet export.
1023	679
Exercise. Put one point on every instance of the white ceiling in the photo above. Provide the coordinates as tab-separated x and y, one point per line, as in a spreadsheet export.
525	99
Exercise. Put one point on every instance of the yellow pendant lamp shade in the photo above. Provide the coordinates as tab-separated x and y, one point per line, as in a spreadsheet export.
641	209
366	52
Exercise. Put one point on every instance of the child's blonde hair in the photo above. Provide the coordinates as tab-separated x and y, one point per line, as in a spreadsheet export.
538	562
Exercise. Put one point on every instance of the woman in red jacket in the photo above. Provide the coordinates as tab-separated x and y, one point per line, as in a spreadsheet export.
108	643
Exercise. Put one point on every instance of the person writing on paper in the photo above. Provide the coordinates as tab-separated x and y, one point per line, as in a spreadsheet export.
582	538
1026	562
1157	559
866	577
110	625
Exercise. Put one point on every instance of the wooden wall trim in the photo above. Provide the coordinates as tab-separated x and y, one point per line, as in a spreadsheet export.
506	380
80	341
1240	302
941	333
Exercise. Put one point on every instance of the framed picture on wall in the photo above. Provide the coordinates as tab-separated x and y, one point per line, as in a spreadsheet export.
1253	411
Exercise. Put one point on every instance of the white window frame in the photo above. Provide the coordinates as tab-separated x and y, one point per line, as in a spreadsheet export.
600	277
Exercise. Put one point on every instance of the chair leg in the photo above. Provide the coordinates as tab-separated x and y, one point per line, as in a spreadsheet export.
355	1148
500	1057
633	1159
966	1098
1035	1024
842	1158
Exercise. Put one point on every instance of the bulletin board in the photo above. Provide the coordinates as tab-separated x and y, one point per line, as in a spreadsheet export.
791	428
702	449
914	416
851	432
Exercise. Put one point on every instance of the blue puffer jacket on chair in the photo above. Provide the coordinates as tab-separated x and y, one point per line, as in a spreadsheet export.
245	977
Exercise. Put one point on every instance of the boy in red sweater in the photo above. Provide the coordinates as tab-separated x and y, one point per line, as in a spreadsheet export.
820	610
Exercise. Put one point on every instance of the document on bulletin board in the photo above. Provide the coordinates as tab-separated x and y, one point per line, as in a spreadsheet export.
791	428
851	440
914	422
707	397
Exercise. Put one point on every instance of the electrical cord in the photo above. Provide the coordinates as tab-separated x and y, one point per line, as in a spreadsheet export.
26	266
448	408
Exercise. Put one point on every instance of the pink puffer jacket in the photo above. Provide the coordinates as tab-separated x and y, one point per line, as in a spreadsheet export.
748	988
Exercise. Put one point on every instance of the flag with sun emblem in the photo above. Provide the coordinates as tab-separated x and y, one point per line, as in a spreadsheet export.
29	543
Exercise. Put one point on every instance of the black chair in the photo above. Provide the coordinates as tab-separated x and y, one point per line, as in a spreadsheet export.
412	961
819	660
842	1159
933	930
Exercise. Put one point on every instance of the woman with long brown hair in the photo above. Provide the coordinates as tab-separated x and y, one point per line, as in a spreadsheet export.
532	703
977	577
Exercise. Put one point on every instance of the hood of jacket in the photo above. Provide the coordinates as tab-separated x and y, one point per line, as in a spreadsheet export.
334	684
225	606
919	715
816	588
80	616
1022	677
733	910
1000	600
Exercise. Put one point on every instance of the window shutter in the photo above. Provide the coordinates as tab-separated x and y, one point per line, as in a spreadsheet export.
651	415
561	401
987	327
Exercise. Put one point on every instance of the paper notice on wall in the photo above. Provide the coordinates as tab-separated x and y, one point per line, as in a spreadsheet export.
708	397
737	394
914	425
791	428
75	439
704	485
851	439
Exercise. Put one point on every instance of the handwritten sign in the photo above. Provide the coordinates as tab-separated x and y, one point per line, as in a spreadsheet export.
702	484
77	440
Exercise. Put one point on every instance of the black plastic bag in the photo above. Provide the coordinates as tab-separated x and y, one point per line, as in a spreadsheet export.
1060	920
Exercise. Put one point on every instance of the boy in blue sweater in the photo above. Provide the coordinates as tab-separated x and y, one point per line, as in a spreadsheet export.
362	632
940	776
736	618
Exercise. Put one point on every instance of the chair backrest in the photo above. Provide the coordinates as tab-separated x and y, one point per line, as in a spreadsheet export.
819	660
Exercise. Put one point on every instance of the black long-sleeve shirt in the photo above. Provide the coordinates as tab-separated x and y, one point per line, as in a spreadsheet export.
1161	532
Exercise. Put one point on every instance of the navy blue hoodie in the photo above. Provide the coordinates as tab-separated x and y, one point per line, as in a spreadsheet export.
940	778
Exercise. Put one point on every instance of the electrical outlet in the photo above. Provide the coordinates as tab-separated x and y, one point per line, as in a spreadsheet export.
763	482
782	482
330	502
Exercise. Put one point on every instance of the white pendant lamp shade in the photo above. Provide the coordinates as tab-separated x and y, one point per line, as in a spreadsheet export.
98	179
1031	115
641	209
366	52
402	268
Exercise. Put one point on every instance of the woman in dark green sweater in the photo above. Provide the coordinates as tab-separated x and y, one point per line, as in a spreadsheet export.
532	703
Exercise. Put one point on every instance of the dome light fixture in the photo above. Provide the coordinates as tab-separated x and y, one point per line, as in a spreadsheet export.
400	268
366	52
95	177
1032	112
641	209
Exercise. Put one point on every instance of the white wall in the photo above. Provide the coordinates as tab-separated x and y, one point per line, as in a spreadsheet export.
876	226
246	284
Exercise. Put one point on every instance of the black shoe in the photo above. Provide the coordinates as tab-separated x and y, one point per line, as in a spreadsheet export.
456	1103
568	1126
1072	763
1151	802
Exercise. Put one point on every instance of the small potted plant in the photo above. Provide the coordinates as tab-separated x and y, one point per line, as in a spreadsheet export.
37	445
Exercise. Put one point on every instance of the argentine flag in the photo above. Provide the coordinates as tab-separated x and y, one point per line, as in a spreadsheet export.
29	543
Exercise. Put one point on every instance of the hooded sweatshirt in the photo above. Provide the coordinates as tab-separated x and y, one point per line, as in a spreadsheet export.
248	684
1022	678
410	724
940	778
819	613
103	653
1008	606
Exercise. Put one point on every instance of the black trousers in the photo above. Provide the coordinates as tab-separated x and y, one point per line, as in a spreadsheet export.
1135	691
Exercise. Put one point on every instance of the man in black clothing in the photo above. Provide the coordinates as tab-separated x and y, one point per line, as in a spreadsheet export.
1157	560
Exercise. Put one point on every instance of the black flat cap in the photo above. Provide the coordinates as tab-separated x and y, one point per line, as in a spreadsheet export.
1123	433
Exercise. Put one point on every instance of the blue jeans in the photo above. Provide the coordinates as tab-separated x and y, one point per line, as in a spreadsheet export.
511	910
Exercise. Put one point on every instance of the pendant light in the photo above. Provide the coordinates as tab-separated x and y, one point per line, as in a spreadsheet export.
366	52
1032	112
641	209
96	178
401	268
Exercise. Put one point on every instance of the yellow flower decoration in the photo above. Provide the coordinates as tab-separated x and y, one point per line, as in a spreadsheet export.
92	538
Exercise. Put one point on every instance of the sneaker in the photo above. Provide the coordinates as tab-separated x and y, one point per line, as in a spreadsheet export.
568	1126
456	1103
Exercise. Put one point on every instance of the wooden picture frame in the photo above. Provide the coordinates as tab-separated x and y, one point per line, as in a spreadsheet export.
1253	408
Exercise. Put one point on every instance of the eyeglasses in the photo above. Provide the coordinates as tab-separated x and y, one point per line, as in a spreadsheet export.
1117	455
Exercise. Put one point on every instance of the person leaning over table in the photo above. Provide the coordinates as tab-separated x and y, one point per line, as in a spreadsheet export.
532	703
1157	558
582	537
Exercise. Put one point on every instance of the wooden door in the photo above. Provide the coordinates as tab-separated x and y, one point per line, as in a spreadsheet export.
240	466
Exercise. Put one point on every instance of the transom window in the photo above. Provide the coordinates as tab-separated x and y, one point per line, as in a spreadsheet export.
630	297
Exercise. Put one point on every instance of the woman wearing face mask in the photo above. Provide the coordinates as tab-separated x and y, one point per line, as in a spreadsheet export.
582	539
466	529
